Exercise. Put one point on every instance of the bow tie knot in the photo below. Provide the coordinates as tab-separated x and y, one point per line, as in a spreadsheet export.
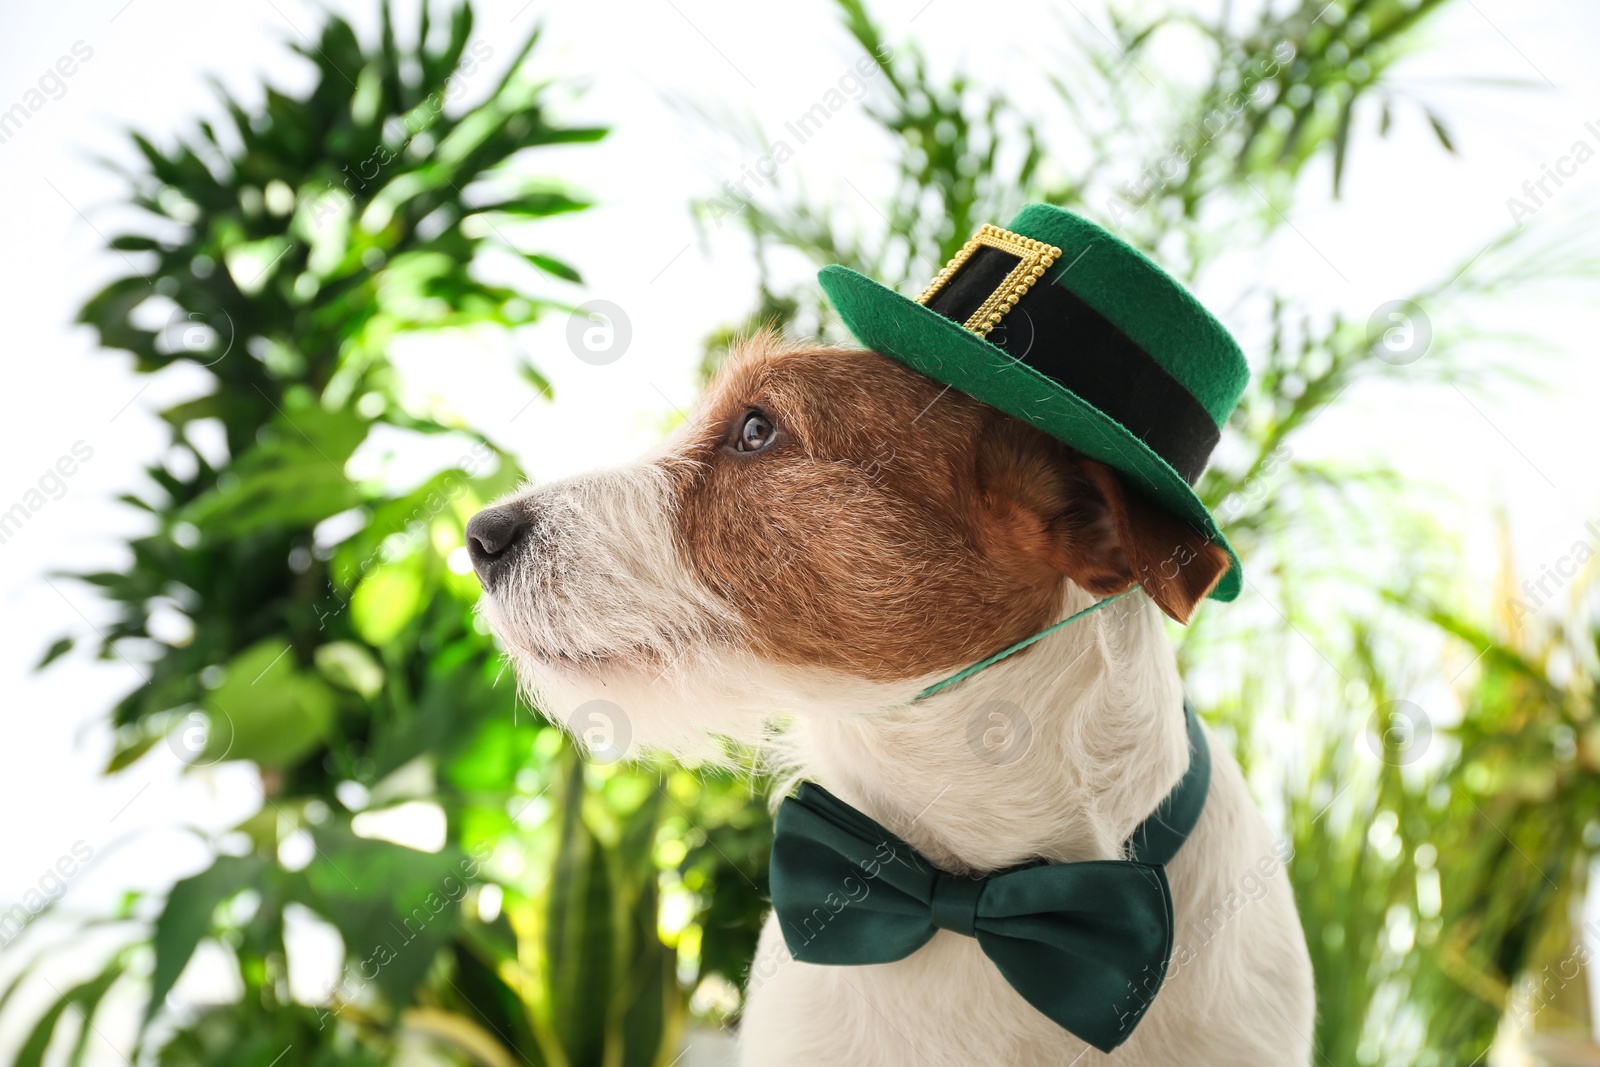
954	906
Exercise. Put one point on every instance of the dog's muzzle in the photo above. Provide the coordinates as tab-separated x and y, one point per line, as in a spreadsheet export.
494	537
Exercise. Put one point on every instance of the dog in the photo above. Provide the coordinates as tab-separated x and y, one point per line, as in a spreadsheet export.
828	533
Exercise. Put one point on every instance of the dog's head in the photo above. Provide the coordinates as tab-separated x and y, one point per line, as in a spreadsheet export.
826	522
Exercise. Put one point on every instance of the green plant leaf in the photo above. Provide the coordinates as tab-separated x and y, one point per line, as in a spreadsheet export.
60	647
386	602
395	907
85	999
581	940
551	265
267	709
1442	132
126	755
300	488
350	666
186	919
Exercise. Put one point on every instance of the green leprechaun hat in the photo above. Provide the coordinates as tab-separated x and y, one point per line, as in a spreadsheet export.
1061	324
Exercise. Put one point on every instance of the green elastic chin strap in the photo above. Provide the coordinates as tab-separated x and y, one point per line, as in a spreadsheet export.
967	672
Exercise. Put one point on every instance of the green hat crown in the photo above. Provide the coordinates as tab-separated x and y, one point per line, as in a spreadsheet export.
1146	303
1060	323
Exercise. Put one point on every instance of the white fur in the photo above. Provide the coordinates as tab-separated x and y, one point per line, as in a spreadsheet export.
1102	704
1108	741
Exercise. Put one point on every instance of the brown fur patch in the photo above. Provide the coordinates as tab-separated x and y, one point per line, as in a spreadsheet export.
893	528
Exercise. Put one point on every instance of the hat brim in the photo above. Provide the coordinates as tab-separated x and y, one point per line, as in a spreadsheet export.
931	344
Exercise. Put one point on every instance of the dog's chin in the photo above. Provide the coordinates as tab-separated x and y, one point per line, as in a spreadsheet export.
638	659
640	703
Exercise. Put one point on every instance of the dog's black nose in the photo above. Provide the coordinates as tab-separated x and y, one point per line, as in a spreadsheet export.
491	534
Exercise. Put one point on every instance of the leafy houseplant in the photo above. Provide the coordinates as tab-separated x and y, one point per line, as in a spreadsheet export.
297	613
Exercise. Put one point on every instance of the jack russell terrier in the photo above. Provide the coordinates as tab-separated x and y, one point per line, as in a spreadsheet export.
1042	859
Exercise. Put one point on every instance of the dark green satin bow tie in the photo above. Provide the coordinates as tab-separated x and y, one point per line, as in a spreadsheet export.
1087	944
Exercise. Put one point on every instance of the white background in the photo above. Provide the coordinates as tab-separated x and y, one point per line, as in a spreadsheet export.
1409	213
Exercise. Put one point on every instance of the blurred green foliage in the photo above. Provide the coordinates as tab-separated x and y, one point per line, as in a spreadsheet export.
1442	889
299	604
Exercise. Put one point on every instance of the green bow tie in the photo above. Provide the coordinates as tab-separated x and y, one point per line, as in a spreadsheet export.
1087	944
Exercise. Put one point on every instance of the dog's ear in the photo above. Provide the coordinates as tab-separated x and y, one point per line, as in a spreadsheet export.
1073	513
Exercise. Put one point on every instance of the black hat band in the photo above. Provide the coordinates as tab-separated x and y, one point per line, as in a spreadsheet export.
994	288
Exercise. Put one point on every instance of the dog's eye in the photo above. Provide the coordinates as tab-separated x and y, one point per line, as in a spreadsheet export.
755	432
